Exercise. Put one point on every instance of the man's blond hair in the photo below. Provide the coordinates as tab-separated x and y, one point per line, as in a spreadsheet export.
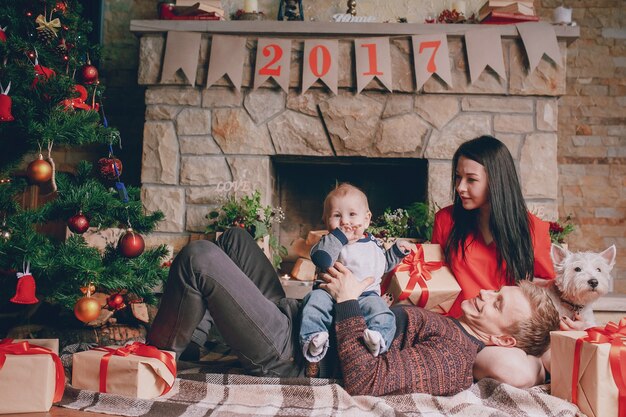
533	335
341	190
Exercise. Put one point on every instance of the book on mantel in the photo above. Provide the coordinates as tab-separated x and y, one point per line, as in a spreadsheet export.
506	11
495	17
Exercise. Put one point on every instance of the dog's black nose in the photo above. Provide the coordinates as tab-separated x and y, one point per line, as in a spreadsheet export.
593	283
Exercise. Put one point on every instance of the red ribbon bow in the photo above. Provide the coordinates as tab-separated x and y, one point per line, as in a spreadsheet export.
7	347
139	349
419	272
614	334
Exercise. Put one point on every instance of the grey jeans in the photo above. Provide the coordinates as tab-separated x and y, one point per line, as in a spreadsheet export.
238	286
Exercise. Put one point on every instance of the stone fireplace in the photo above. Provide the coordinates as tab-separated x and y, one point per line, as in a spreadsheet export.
200	143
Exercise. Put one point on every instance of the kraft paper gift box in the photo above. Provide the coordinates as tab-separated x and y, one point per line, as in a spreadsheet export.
127	374
597	381
31	378
423	279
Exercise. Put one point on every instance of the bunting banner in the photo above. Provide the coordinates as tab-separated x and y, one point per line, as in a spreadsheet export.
181	52
431	56
273	59
372	56
320	62
373	59
227	58
539	39
484	48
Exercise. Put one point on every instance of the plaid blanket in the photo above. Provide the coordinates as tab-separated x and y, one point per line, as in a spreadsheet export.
216	387
199	394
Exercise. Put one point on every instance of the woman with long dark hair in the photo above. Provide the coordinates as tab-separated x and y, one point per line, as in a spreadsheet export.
488	236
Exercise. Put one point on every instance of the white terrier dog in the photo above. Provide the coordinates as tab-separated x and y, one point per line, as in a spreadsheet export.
581	278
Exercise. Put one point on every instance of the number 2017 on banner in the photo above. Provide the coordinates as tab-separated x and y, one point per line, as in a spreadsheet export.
320	59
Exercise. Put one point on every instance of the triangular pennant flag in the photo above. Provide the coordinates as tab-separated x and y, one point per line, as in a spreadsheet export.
227	58
373	59
181	52
484	47
320	62
539	39
273	59
431	56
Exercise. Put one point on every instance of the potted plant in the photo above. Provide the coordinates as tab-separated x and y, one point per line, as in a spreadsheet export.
248	213
559	230
414	222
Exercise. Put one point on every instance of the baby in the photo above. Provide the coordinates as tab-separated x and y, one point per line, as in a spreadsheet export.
347	216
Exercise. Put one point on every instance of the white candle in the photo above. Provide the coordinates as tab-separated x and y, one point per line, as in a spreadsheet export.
459	6
250	6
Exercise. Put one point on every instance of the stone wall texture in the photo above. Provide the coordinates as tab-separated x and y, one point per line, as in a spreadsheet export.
585	127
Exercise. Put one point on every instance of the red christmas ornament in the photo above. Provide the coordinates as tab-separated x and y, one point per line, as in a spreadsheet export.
42	74
115	301
89	73
5	104
131	244
39	171
78	223
61	6
25	292
3	35
108	166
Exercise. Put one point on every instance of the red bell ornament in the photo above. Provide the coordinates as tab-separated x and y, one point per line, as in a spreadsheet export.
39	171
131	244
3	34
25	292
42	74
89	73
78	223
5	104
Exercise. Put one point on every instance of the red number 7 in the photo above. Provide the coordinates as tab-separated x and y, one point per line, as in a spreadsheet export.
431	67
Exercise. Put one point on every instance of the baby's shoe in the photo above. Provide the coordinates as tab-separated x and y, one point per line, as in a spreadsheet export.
374	342
317	344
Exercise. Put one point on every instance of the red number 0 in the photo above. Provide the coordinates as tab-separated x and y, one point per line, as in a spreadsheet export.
278	53
371	53
431	67
313	60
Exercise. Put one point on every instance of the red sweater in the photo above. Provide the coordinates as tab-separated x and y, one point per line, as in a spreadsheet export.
479	270
430	353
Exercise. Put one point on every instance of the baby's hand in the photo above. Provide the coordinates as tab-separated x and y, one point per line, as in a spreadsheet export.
406	246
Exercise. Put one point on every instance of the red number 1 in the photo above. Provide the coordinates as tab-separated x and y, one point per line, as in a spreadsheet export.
371	52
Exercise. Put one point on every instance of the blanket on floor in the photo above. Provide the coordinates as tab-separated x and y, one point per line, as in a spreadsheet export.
216	387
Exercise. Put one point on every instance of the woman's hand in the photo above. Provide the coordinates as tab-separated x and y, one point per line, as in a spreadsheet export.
578	323
342	285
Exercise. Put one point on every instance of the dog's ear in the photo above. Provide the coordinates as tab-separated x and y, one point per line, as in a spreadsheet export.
609	255
558	254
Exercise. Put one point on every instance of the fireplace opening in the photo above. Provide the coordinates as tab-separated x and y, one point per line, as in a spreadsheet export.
303	182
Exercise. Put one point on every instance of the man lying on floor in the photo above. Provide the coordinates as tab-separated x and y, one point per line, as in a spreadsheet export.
430	353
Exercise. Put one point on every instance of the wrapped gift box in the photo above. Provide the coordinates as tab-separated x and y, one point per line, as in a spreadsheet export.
131	375
314	236
30	383
596	389
424	280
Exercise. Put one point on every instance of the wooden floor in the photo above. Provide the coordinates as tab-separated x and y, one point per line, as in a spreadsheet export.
61	412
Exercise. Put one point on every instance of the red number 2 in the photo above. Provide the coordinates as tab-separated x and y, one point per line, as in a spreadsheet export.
431	67
278	54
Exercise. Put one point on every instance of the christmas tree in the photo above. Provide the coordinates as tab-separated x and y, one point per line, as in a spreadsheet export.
52	99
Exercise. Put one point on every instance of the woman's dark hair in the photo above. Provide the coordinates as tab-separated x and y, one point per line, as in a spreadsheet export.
508	221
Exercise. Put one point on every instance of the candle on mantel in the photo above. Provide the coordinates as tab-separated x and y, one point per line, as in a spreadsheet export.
459	6
250	6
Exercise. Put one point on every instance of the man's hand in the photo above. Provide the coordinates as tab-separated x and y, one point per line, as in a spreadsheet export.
577	324
342	285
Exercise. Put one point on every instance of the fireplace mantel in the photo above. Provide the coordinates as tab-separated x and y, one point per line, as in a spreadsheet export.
324	29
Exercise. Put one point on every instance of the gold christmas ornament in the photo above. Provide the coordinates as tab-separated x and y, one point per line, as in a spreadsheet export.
87	308
352	7
39	171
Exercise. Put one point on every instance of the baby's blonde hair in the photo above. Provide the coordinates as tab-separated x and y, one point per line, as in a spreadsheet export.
341	190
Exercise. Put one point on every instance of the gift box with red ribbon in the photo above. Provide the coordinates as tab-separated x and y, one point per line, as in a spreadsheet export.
423	279
31	375
136	370
589	369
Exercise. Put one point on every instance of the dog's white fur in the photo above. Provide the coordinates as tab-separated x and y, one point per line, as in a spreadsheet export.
581	278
